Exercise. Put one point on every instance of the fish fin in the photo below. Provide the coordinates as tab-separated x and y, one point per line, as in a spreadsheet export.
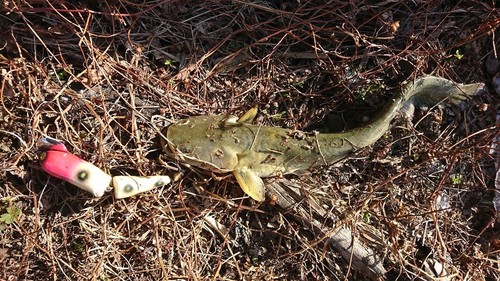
248	116
250	183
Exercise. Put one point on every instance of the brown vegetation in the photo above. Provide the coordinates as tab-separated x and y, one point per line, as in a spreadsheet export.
106	76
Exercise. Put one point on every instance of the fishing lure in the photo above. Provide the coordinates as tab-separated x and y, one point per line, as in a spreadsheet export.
57	161
128	186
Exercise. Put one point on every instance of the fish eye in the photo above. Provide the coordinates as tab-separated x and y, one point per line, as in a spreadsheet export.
159	183
83	175
42	156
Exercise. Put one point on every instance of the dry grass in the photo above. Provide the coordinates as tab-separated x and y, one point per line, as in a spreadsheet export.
105	76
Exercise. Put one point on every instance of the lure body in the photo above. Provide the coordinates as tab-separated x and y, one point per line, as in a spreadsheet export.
58	162
128	186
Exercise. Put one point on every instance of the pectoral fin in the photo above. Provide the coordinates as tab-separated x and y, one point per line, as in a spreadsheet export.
250	183
245	118
248	116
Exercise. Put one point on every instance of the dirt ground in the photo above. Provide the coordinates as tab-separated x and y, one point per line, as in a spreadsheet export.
105	77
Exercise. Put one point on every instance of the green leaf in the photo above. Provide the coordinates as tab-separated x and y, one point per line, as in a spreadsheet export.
12	214
6	218
367	217
458	55
456	179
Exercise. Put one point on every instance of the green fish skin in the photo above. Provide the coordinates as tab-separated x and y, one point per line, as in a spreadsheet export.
226	144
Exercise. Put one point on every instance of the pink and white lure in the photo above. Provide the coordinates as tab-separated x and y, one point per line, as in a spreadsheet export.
128	186
57	161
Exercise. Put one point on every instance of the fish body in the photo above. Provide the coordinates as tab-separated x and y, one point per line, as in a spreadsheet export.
227	144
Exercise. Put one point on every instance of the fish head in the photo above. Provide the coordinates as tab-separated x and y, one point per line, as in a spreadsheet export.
202	141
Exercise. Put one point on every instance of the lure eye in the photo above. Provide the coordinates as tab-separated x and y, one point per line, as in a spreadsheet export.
128	188
42	156
83	175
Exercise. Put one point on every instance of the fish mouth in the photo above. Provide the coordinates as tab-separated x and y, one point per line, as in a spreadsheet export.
168	147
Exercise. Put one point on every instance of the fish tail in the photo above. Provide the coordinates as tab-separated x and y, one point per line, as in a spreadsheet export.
431	90
425	91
